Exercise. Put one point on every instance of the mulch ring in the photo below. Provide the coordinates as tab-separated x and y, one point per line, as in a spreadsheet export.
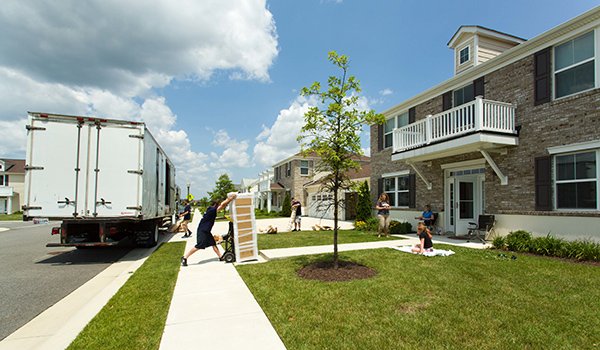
346	271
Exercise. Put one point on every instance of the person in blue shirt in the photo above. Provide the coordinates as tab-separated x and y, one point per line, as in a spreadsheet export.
186	214
204	237
427	216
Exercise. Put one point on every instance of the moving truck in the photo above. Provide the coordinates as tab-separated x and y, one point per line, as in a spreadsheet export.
107	180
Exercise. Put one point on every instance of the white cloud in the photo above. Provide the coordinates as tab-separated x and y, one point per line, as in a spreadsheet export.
235	153
105	58
279	141
386	92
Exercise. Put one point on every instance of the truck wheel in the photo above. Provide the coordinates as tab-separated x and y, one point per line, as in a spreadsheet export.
147	238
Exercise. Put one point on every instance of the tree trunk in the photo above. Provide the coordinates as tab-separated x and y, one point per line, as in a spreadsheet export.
335	226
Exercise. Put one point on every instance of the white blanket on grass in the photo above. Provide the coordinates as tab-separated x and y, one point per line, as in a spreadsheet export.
435	252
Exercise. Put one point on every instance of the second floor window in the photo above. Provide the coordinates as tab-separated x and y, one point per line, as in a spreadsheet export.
3	180
463	95
304	167
288	169
391	124
574	65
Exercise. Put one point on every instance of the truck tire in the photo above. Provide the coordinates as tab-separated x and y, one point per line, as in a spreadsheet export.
147	238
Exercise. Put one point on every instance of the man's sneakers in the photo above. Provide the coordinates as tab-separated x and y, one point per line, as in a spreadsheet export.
183	261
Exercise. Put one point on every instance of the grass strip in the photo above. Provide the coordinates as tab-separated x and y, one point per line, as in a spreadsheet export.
135	317
312	238
11	217
471	300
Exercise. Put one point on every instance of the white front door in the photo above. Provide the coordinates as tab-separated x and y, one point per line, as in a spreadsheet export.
465	201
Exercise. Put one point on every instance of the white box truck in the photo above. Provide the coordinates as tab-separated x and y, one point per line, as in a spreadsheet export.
107	180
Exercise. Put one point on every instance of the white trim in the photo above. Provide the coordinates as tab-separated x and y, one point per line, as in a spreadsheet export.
397	173
477	30
428	183
464	164
574	147
503	178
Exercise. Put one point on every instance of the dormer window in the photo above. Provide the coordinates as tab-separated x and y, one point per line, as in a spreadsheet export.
464	55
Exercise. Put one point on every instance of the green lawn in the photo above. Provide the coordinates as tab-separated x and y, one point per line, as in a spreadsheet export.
11	217
471	300
135	317
311	238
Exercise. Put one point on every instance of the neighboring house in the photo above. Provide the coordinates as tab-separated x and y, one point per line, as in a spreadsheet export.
319	203
515	133
264	194
248	186
12	188
290	175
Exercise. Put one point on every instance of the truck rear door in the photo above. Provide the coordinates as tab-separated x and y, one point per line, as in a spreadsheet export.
115	170
55	158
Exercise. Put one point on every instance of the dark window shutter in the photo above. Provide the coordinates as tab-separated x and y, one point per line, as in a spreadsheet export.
412	195
412	115
447	101
543	183
542	76
379	137
478	89
379	187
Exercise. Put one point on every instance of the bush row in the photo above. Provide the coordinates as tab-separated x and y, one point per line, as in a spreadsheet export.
372	225
522	241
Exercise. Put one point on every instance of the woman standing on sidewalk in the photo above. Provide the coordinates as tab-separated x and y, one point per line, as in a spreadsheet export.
204	237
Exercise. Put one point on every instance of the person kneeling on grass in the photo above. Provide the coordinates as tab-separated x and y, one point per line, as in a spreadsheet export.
203	236
425	237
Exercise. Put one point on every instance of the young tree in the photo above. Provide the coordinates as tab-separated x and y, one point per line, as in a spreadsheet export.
286	207
222	187
364	208
332	131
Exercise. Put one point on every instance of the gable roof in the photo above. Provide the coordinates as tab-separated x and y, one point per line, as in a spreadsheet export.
14	166
484	31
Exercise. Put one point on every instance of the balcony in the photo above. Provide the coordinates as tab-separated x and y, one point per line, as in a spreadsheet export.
474	126
6	191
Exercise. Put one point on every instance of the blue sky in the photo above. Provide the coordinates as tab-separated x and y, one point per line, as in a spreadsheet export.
218	81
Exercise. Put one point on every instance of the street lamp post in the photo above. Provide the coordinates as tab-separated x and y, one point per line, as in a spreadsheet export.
188	190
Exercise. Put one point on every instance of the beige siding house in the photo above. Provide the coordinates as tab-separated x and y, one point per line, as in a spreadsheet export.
12	179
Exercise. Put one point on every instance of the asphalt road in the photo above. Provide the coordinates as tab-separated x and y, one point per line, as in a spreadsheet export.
33	277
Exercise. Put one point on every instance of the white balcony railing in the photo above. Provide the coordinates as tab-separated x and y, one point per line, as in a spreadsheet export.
6	191
475	116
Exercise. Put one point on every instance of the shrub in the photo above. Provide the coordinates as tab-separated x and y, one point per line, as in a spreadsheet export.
582	250
499	243
400	228
370	225
364	207
548	245
286	208
518	241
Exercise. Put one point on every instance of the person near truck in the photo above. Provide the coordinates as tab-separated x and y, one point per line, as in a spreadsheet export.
204	237
297	207
186	215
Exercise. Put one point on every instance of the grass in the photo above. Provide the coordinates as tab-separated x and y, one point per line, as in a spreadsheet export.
12	217
135	317
471	300
312	238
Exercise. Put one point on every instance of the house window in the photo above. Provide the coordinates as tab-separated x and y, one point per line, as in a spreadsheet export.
397	188
304	167
288	169
464	95
3	180
391	124
574	65
463	55
576	181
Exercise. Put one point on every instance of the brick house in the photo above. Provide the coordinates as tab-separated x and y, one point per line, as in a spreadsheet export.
290	175
12	188
514	133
